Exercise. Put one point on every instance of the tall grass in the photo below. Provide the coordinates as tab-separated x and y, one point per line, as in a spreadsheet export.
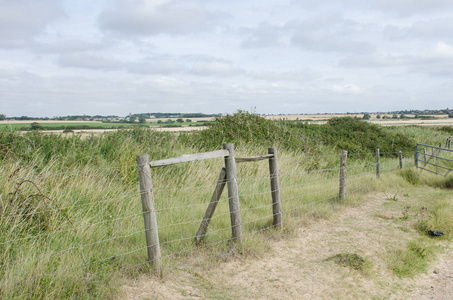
71	214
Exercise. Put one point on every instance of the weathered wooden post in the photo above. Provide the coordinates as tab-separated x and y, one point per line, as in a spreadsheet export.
378	164
400	157
275	188
149	212
233	193
416	156
212	206
343	169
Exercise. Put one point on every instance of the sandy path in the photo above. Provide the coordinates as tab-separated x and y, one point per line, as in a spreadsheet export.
296	268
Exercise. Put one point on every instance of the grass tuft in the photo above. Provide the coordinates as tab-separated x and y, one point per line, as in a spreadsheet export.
353	261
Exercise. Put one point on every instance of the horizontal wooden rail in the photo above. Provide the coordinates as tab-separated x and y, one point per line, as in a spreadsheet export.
189	158
254	158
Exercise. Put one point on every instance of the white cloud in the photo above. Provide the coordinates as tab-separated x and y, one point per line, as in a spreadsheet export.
22	20
100	57
431	29
146	17
444	50
89	61
347	89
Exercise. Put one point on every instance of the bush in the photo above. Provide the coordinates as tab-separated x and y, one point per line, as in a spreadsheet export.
351	134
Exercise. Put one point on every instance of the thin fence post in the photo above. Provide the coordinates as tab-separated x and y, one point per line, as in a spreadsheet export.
233	193
416	156
343	169
275	188
400	157
212	206
378	164
149	212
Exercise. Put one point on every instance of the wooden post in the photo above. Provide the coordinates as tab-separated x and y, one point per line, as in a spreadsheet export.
416	156
400	157
343	169
233	193
149	213
378	164
212	206
275	188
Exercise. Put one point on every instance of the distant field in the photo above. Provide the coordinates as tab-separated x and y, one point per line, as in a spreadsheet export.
90	125
97	127
16	125
439	120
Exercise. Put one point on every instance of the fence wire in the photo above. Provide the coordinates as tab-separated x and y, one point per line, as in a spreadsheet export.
50	234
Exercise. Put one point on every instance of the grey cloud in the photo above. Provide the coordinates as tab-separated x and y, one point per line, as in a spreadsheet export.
67	46
331	34
162	67
326	33
196	65
409	7
278	76
203	65
142	17
440	28
88	61
22	20
402	8
431	64
264	35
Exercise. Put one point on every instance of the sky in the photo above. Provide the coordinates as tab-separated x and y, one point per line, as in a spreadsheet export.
115	57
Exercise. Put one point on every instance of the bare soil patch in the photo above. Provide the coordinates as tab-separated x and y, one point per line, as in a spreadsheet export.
297	268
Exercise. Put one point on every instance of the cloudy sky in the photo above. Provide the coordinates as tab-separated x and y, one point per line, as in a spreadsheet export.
67	57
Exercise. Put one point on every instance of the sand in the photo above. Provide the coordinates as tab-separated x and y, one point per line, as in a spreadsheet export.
296	268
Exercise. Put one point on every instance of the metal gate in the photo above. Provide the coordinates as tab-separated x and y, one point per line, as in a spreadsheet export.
434	159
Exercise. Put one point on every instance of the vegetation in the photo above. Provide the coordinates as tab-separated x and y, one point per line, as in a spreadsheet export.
353	261
71	212
348	133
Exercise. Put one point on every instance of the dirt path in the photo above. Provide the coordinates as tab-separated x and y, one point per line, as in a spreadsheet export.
297	268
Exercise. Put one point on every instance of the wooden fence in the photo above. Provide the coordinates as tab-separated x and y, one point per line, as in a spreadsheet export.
227	177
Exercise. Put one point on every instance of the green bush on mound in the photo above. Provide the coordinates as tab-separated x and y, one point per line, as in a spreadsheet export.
351	134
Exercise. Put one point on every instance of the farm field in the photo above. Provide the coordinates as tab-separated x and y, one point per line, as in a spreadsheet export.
95	127
72	217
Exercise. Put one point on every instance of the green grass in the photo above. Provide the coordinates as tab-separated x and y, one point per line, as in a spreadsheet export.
351	260
69	125
413	259
71	210
90	125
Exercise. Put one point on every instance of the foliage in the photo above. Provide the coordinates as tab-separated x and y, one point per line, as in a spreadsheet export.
353	261
240	128
411	175
356	136
366	116
347	133
36	126
412	260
